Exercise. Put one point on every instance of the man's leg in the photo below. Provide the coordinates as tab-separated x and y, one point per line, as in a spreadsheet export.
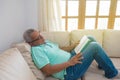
104	61
94	40
93	51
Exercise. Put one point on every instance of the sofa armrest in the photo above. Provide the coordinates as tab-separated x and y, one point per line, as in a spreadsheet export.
14	67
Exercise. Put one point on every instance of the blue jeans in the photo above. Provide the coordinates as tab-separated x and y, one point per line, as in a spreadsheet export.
93	51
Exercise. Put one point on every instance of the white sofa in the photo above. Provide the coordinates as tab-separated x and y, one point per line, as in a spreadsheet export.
14	67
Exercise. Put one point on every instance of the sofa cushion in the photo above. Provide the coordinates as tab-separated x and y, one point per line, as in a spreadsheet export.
111	42
76	35
22	47
14	67
62	38
37	72
93	73
51	78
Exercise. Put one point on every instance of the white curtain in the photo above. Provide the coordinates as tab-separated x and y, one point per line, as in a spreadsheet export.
49	15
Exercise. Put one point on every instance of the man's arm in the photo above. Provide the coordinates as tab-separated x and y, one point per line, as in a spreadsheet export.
51	69
69	48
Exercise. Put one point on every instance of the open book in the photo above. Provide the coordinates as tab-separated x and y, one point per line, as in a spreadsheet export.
82	44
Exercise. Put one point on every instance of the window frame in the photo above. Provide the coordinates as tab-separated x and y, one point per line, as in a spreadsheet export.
81	14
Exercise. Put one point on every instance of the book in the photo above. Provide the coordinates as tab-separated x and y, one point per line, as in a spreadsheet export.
82	44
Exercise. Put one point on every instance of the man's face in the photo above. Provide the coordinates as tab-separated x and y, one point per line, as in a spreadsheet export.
37	39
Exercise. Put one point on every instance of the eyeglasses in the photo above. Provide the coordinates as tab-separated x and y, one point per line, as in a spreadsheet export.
38	38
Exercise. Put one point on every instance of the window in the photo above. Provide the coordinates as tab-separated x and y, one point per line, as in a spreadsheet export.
117	17
90	14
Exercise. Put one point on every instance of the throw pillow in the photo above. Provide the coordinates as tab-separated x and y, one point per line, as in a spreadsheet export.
24	48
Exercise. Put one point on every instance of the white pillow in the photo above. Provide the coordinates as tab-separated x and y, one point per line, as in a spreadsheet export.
24	48
14	67
37	72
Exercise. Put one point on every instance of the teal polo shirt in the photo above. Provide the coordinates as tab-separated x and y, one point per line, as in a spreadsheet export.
49	53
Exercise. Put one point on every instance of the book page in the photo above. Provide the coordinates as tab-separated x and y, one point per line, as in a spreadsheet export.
83	43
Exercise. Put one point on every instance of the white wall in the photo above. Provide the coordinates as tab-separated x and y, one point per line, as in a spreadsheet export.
15	17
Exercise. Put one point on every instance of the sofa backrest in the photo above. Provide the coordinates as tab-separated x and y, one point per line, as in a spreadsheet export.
111	42
108	39
68	38
62	37
14	67
76	35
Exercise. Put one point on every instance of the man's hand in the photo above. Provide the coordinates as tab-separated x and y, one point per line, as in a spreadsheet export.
75	59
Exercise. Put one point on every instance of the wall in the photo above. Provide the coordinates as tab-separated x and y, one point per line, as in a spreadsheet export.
15	17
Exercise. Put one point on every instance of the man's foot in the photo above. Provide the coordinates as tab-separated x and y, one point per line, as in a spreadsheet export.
118	75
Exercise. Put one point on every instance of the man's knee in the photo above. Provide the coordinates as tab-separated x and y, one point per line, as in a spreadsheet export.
94	44
91	38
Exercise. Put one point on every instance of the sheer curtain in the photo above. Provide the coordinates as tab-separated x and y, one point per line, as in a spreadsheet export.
49	15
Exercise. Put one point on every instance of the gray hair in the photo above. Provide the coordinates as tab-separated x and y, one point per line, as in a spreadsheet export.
27	35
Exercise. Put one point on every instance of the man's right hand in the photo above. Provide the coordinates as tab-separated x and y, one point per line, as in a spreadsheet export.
75	59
